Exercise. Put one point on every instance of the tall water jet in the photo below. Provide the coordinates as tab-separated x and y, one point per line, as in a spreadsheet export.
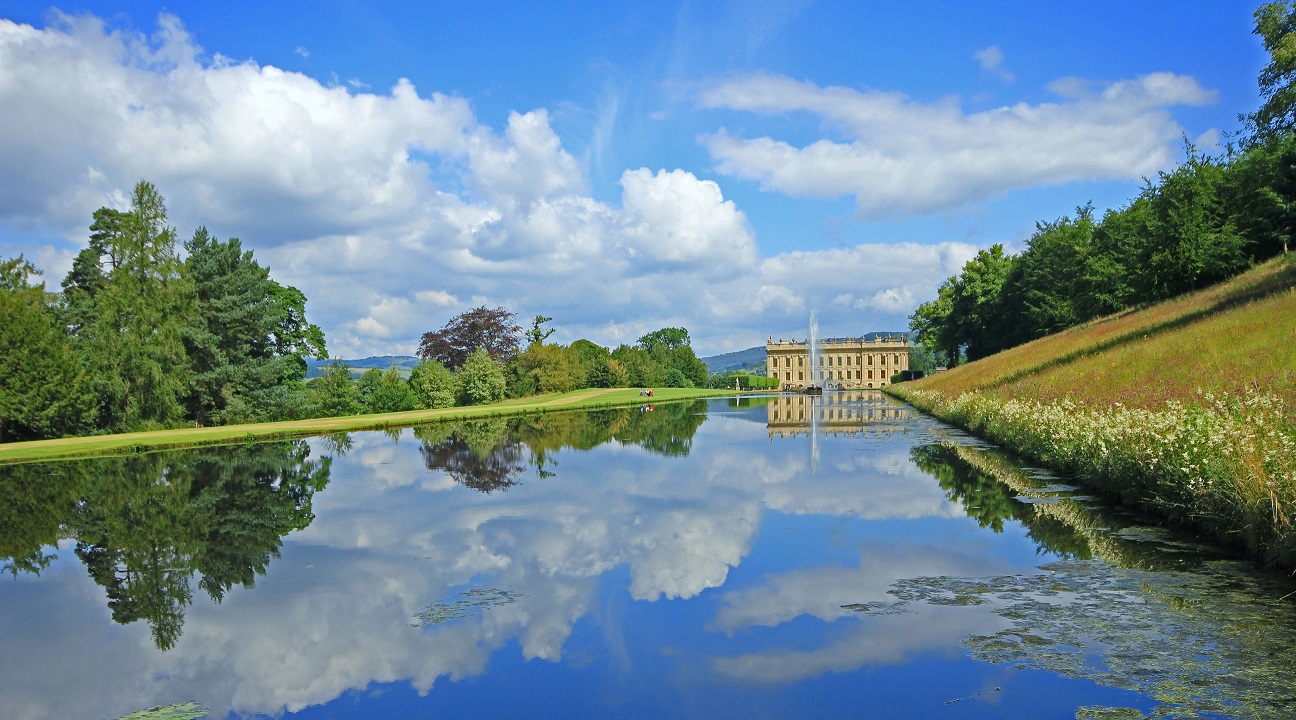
812	345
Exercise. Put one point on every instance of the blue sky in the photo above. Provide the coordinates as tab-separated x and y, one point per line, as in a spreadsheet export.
727	167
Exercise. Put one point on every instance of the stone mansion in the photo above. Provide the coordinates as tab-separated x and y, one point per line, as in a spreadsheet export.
845	363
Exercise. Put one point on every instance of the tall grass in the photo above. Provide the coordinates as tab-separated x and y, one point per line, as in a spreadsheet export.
1184	407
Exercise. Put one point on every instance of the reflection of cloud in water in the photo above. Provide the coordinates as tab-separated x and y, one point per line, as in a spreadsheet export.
870	486
680	553
822	592
885	640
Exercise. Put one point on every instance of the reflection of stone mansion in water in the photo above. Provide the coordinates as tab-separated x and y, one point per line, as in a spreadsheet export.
843	362
846	412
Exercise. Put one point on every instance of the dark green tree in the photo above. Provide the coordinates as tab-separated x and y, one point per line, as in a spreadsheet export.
334	394
1043	292
976	305
934	326
1260	192
392	394
141	370
1275	23
548	368
82	285
44	391
1191	241
367	387
641	369
247	338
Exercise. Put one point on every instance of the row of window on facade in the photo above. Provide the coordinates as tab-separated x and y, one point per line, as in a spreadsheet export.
800	360
841	375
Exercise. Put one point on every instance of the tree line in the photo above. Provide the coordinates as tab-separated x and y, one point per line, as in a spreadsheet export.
1208	219
478	357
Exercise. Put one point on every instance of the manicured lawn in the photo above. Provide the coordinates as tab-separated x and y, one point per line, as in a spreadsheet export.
63	448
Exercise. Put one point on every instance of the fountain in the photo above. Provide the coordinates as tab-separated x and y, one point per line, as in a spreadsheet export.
812	346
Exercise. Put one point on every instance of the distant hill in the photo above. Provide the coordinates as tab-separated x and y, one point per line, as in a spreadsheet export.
404	363
751	359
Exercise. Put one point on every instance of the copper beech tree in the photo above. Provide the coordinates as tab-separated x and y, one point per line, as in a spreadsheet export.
494	330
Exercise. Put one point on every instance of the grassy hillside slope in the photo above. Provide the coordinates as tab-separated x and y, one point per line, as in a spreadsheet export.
1185	407
1236	334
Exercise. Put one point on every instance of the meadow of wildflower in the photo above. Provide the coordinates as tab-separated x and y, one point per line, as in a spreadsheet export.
1185	407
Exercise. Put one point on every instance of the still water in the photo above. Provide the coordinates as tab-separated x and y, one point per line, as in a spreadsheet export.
764	557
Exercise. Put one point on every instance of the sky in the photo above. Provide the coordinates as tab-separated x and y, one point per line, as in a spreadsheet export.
727	167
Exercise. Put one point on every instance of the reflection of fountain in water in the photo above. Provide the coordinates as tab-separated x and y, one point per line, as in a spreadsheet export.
814	436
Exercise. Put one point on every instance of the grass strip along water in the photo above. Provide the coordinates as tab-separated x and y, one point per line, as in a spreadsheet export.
138	442
1132	406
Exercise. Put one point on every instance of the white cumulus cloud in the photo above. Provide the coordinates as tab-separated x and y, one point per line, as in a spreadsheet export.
901	157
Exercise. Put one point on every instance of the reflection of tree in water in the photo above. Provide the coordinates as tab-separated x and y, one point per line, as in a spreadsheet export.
990	502
993	487
144	524
480	454
491	454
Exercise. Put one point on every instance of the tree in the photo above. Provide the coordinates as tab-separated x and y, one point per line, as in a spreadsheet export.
976	306
141	370
82	285
934	326
494	331
549	368
601	371
676	379
1260	194
247	337
669	349
334	394
1191	241
537	334
641	369
668	338
44	391
1042	293
1275	23
391	394
1110	277
433	385
481	380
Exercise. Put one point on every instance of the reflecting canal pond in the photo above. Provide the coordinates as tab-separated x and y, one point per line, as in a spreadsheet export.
786	556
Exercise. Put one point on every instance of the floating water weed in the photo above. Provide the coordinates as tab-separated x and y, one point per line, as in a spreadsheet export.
437	613
1198	643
